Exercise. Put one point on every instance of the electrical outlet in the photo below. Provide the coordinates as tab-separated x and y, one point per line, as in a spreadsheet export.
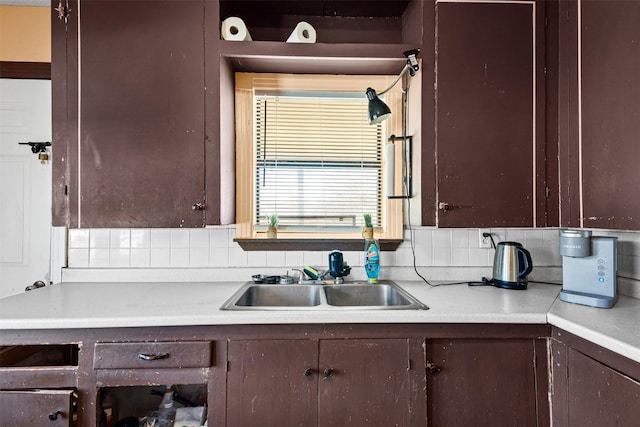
484	242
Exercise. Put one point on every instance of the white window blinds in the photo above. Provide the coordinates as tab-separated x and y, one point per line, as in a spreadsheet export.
318	161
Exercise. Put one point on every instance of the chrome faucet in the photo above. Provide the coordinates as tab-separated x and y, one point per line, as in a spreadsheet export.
302	277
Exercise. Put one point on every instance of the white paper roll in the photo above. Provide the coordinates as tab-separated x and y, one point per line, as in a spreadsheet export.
389	169
302	33
233	28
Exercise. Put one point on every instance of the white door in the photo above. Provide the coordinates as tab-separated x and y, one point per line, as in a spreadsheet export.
25	185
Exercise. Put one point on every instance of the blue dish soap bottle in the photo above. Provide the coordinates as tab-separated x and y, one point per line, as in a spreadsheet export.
372	259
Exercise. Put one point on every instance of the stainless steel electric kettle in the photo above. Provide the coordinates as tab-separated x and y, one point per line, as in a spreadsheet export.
511	265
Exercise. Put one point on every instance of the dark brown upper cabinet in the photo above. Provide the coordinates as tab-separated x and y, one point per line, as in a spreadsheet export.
489	116
600	114
129	102
143	96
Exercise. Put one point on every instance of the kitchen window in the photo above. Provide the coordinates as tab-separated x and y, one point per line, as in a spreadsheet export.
305	152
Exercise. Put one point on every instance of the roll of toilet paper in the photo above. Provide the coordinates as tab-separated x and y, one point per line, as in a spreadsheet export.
233	28
302	33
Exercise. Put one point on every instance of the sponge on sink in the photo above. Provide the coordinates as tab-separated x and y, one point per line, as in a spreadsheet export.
311	272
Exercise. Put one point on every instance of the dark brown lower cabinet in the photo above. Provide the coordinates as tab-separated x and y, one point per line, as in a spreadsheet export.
310	375
487	382
362	382
36	408
592	386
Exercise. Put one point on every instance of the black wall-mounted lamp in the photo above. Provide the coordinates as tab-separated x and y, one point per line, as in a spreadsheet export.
378	110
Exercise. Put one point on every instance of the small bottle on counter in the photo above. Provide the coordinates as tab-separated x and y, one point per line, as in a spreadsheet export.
372	259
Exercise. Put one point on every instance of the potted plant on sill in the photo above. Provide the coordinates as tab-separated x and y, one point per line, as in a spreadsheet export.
367	230
272	226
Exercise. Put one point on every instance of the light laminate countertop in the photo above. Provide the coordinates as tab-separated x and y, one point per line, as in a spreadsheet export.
111	305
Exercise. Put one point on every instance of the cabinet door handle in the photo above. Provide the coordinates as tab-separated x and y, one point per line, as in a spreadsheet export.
327	373
151	357
308	372
54	415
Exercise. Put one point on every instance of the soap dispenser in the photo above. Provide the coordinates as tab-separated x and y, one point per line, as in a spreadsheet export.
372	259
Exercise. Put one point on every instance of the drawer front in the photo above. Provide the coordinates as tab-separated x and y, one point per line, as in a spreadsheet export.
36	408
140	355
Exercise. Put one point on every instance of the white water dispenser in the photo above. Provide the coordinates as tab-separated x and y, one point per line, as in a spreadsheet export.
589	268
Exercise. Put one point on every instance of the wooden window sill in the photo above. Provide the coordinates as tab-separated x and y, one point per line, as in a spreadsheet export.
301	244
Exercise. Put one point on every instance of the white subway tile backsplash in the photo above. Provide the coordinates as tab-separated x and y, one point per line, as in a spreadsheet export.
140	238
140	257
356	258
160	238
441	238
119	257
120	239
160	257
442	257
78	257
219	257
460	238
199	256
460	256
314	258
513	235
99	238
214	247
231	235
99	257
257	258
79	238
387	258
404	258
219	237
294	259
179	238
179	257
238	257
199	238
480	257
276	259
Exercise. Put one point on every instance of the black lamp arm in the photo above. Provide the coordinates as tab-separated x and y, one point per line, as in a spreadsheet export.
411	66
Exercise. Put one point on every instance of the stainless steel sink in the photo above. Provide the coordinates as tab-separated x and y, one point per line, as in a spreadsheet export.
385	295
279	296
368	295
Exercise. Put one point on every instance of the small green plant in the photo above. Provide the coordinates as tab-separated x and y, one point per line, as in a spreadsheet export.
367	221
273	221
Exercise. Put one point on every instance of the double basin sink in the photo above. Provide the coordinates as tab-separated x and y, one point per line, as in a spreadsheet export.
385	295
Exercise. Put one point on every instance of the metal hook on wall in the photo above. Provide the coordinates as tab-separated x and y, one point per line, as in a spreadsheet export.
39	148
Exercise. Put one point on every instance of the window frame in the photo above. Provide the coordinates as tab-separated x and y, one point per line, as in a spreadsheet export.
246	86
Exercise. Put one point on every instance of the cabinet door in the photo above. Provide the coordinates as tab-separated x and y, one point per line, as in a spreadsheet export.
599	395
36	408
483	382
141	148
272	383
371	382
486	114
610	89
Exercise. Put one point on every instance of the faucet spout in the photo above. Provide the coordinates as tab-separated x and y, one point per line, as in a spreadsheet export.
302	277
